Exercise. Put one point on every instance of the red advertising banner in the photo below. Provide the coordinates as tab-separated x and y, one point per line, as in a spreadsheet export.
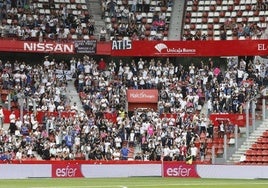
65	170
36	47
147	48
102	48
179	169
191	48
142	95
236	119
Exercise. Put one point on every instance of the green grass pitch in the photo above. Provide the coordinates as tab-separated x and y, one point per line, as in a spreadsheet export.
133	182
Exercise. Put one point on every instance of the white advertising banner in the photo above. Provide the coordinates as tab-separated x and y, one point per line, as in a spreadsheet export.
16	171
121	170
232	171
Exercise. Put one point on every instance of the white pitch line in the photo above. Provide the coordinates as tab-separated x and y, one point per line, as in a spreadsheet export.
153	185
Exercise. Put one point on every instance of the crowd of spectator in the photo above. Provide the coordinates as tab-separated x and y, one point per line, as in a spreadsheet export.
238	31
45	84
131	20
24	20
167	134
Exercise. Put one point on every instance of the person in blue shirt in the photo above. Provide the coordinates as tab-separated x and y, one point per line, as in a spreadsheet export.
5	157
124	152
69	141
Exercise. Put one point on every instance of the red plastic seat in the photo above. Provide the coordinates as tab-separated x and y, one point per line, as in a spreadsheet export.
254	146
265	146
265	152
259	159
208	158
259	140
249	152
259	152
219	151
265	159
259	146
265	134
265	140
253	159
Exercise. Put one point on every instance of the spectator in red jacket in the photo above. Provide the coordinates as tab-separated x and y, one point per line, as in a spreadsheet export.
102	65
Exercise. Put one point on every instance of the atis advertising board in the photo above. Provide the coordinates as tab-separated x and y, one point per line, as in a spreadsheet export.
192	48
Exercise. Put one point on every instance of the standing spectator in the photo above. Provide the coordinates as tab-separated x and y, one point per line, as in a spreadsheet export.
158	152
73	65
203	123
2	117
108	153
103	34
5	79
166	153
118	142
134	6
74	107
12	120
221	129
81	78
140	6
18	155
124	152
102	65
210	129
111	7
1	5
138	156
193	152
69	142
202	151
116	155
147	5
46	63
132	138
99	154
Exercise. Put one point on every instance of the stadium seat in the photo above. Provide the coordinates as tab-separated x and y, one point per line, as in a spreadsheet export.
265	134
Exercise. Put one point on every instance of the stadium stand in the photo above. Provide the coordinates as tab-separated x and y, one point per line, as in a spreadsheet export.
138	20
105	122
103	127
41	20
225	19
72	19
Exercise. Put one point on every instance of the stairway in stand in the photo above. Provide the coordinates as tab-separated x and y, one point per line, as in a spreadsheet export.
94	7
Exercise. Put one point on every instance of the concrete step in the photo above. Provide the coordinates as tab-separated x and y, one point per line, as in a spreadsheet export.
73	95
95	9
